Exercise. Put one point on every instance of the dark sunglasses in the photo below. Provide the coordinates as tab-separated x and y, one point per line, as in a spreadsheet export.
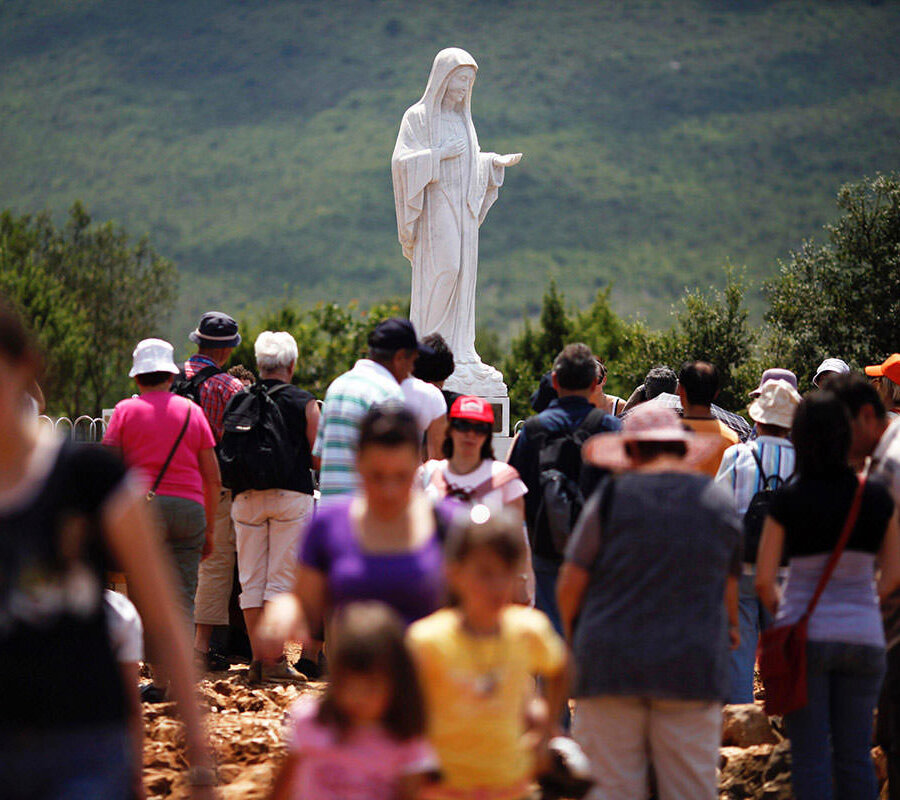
467	426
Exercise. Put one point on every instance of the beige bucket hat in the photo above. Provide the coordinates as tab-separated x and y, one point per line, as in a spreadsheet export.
775	405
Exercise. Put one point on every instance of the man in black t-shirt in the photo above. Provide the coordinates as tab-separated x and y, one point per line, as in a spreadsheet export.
268	522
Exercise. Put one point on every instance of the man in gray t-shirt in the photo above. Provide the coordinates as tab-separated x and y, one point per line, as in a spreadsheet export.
651	574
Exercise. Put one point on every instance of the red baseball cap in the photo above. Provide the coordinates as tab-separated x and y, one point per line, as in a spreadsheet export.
890	369
474	408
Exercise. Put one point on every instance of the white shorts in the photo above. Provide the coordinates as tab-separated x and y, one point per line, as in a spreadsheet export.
268	524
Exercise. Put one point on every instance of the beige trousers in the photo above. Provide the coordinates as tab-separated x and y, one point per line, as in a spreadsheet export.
268	524
622	736
216	573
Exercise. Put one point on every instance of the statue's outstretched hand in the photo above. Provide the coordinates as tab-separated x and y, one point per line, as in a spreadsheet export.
453	149
509	160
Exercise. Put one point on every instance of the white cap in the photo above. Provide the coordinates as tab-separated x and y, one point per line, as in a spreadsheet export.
831	365
153	355
776	404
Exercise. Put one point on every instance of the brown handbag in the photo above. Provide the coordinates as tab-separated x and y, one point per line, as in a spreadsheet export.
782	650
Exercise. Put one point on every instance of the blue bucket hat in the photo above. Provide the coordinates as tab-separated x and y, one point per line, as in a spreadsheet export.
216	329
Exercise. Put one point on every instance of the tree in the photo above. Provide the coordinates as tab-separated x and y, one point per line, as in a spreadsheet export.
90	294
842	298
330	338
532	352
712	327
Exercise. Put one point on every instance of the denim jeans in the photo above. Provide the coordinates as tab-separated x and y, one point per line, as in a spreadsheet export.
90	763
831	737
753	618
888	734
545	574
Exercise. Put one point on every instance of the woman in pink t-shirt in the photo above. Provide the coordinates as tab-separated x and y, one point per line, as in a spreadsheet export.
145	429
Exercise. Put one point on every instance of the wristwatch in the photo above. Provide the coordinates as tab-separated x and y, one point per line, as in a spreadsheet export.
202	776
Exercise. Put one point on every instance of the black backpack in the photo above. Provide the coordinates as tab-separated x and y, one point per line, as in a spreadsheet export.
256	450
559	468
758	510
190	387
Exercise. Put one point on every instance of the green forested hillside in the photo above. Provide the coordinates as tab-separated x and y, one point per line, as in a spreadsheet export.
252	140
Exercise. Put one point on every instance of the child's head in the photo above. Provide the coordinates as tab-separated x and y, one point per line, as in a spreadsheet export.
484	555
373	678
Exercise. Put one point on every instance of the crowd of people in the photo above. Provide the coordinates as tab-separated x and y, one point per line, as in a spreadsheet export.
478	616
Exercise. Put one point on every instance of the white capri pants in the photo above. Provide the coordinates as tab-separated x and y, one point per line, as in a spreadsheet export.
623	735
268	524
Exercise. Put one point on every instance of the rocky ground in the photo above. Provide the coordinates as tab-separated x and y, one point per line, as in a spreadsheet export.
245	725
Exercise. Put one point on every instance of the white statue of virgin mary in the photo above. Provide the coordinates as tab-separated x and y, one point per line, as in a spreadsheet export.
443	188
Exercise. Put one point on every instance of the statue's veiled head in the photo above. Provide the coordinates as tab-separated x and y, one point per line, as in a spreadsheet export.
455	66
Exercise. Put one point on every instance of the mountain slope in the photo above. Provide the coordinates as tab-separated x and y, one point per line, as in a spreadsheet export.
253	140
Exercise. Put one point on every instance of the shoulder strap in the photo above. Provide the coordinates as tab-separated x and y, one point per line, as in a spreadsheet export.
762	470
438	480
593	418
849	524
270	390
494	482
537	433
152	493
201	376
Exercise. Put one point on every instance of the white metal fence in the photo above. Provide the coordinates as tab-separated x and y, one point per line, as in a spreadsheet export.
82	429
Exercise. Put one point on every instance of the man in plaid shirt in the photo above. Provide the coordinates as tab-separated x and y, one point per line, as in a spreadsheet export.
216	336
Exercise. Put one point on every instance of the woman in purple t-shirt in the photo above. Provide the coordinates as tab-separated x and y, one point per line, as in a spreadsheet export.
384	544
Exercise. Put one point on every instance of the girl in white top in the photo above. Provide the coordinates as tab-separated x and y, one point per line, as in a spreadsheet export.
470	472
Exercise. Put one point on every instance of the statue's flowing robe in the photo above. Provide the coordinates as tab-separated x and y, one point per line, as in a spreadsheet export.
440	205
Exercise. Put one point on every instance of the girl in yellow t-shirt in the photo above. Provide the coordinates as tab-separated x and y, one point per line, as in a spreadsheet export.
477	661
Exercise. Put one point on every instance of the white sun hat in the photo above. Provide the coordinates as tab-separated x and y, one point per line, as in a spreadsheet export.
775	405
835	365
153	355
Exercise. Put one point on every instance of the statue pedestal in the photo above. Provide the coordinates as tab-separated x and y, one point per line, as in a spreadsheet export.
481	380
501	415
502	446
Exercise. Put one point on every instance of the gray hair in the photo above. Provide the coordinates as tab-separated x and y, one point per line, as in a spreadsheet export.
275	350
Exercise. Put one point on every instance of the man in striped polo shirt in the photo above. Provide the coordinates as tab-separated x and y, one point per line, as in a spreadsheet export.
746	469
393	350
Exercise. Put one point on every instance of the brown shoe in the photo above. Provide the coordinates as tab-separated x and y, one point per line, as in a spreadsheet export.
280	672
254	673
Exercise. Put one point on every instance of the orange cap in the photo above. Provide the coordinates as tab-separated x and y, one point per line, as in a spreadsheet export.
890	369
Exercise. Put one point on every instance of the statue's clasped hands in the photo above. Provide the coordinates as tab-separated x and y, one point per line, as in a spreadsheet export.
453	148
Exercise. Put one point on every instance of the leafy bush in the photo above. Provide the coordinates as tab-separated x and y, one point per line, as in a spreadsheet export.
90	294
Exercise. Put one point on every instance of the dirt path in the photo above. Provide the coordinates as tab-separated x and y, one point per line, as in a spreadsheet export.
245	725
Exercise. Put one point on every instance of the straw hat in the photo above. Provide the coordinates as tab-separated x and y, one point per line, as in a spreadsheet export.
648	422
775	405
